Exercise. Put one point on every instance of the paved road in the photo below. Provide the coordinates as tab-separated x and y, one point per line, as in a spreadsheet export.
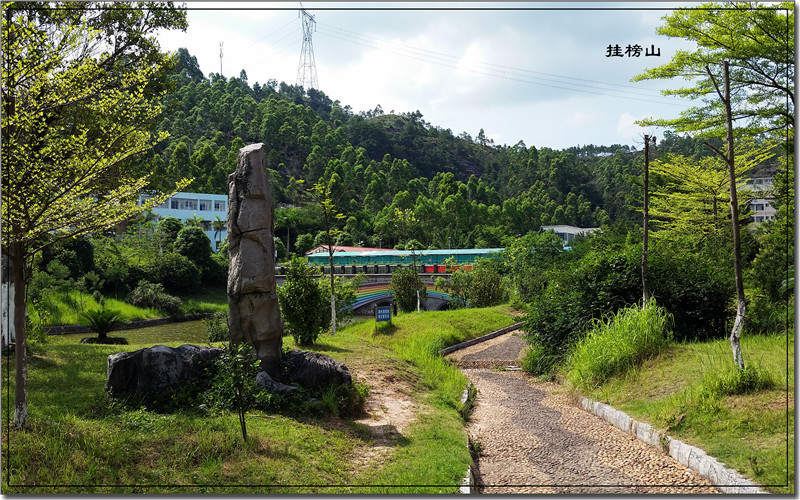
535	439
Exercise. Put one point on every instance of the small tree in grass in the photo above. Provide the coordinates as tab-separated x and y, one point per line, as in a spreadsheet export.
303	303
101	321
405	284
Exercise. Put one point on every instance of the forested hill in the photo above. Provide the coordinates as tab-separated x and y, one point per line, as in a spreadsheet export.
398	177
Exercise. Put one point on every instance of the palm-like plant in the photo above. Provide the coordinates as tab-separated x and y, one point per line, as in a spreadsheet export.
101	321
219	225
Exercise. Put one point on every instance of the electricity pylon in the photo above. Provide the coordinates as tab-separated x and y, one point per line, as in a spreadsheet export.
307	70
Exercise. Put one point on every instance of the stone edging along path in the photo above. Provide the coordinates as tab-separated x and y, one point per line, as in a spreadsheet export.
725	479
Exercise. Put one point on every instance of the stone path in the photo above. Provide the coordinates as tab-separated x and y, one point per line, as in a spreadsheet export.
533	437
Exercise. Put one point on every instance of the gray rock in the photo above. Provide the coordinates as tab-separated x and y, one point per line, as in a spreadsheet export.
314	370
154	369
254	315
264	380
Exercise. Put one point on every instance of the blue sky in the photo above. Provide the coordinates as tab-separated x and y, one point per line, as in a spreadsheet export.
530	71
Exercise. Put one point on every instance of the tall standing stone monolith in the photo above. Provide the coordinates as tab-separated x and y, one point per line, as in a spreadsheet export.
254	312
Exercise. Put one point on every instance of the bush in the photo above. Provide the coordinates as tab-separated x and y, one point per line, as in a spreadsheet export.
153	295
193	243
176	272
305	308
694	291
619	343
405	284
217	327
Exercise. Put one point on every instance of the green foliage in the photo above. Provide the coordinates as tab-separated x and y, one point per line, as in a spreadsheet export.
217	327
405	284
175	271
619	343
480	287
755	40
193	243
168	229
303	302
101	321
733	381
153	295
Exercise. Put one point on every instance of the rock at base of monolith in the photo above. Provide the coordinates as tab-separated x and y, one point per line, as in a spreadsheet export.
154	369
254	314
314	370
265	381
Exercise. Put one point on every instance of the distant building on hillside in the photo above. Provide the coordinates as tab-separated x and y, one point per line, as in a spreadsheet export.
185	206
761	204
568	233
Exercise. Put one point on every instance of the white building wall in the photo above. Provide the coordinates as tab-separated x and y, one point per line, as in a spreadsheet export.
184	206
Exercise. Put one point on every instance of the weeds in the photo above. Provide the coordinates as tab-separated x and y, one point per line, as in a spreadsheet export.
618	344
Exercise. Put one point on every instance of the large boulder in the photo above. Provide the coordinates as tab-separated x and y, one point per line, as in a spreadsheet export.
254	315
314	370
154	369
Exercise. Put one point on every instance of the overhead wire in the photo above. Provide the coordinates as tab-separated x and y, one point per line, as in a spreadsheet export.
495	70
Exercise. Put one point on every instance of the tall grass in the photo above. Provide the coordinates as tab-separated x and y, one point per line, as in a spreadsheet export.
619	343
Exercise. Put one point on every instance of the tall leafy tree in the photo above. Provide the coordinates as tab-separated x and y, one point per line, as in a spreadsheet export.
758	42
81	85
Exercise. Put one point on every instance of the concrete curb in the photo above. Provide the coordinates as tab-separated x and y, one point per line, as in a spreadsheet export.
725	479
478	340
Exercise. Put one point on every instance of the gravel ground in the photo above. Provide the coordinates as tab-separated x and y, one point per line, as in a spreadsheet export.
533	438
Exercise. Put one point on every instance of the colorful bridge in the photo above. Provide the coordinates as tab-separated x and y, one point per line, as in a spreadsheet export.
376	290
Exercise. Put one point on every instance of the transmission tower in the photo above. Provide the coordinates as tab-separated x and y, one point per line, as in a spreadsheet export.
307	70
220	58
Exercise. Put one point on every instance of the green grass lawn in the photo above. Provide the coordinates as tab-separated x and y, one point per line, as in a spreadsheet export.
752	433
63	308
77	442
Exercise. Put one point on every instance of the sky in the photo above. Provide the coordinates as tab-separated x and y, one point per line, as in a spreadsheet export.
536	72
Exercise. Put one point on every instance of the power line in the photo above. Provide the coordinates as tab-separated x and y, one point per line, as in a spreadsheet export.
501	71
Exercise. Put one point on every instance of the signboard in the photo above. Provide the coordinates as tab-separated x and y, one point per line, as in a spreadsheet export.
383	313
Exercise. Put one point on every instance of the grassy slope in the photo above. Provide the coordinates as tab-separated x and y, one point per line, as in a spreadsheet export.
63	309
75	442
752	433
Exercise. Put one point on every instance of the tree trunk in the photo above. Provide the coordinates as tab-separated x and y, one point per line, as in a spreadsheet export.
737	243
333	291
17	259
645	217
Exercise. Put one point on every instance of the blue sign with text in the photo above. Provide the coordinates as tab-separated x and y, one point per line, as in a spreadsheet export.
383	313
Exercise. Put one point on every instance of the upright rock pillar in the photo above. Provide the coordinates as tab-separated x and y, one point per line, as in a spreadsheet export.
254	313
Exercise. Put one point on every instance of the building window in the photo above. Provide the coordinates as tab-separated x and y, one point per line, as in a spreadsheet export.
183	204
219	206
758	207
206	225
205	205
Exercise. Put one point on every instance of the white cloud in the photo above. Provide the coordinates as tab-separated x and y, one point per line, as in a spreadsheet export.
627	128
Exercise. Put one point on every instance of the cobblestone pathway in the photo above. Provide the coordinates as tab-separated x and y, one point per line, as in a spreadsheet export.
533	437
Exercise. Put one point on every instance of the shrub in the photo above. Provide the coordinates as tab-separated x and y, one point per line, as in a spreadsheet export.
217	327
193	243
176	272
405	284
101	321
153	295
619	343
305	308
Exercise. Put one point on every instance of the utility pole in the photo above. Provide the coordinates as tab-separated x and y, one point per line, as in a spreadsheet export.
220	58
307	70
646	216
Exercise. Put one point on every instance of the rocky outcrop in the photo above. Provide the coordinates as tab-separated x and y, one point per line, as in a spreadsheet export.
314	370
154	369
254	315
265	381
